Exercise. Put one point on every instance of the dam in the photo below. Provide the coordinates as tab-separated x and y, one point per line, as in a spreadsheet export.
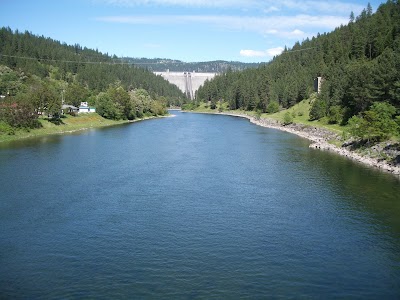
187	82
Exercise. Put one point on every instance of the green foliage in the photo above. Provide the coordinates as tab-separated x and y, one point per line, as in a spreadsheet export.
376	124
258	114
18	112
359	64
318	109
37	87
6	128
75	94
357	127
106	107
287	118
11	82
398	123
117	104
335	115
68	63
160	65
189	106
273	107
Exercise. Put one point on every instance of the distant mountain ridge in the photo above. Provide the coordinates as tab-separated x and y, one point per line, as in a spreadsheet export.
164	64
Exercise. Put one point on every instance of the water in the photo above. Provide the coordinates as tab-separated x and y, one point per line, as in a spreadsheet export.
195	206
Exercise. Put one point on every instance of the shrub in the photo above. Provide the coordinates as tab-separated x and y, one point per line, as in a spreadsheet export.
272	107
287	118
335	115
318	110
258	114
376	124
6	128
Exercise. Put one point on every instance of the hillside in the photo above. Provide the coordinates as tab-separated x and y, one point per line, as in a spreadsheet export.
163	64
39	75
48	58
359	64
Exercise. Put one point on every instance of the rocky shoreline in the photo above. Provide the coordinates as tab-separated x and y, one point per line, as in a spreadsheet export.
320	140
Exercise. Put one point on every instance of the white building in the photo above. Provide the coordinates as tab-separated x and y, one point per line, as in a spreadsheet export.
85	108
317	84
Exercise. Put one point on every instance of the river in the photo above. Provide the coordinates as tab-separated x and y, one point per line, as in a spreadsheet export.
193	206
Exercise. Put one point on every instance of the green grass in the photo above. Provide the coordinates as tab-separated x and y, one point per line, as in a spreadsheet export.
69	124
300	113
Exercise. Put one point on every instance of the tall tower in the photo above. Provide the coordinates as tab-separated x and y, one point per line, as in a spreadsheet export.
317	84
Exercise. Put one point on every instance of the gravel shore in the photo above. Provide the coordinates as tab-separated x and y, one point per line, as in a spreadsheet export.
320	138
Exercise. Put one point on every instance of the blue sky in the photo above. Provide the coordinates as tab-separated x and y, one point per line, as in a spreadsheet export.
188	30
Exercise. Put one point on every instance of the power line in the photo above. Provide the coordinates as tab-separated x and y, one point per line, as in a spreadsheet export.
305	49
66	61
113	62
91	62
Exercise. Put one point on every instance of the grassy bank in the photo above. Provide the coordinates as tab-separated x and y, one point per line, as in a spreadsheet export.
385	155
299	112
68	124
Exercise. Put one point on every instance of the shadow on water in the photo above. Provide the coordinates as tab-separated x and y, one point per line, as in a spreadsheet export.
372	191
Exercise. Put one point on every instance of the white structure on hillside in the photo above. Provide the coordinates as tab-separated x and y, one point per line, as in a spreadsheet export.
187	82
317	84
85	108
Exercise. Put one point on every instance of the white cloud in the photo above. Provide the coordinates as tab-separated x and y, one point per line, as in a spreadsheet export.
297	32
274	51
252	53
257	53
313	6
264	25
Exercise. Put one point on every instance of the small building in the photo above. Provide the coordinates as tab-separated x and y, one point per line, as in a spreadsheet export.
317	84
69	109
85	108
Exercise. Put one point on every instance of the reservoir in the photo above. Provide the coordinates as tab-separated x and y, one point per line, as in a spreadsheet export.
195	207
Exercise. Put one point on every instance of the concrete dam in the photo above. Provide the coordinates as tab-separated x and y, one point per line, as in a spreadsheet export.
187	82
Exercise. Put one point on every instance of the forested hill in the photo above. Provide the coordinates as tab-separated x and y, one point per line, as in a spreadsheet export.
163	64
75	65
359	64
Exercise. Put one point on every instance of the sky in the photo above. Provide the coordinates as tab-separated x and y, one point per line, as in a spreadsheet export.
187	30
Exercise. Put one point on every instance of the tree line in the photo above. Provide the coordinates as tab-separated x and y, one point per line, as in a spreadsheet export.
37	74
359	63
163	64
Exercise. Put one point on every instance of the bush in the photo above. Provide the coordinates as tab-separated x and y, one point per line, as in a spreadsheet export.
335	115
188	106
258	114
376	124
272	107
287	118
318	110
6	129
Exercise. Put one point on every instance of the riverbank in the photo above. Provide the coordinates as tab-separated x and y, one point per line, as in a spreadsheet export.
69	124
321	138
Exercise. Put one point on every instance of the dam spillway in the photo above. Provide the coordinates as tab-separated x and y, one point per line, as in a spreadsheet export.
187	82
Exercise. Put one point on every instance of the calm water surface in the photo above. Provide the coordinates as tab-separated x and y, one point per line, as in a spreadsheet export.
195	206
